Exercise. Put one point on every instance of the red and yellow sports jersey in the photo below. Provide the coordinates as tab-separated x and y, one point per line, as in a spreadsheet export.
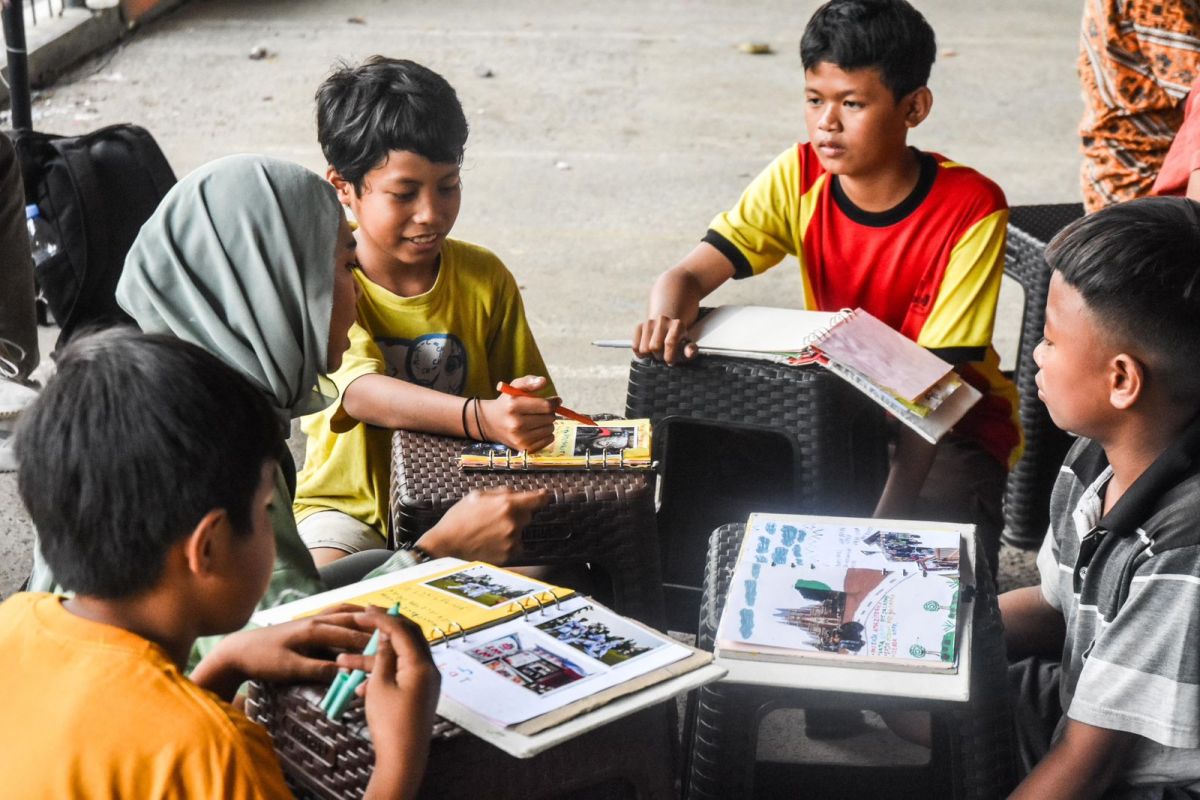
930	267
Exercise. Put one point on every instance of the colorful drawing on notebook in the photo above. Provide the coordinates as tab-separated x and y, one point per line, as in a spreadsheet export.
610	642
485	587
597	440
535	668
846	589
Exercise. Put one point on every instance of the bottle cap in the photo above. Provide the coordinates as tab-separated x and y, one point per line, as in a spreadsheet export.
32	211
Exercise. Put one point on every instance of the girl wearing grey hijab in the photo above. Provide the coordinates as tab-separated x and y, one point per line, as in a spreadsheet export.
249	258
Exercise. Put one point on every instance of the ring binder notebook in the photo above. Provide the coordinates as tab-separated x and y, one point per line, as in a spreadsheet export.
516	654
612	444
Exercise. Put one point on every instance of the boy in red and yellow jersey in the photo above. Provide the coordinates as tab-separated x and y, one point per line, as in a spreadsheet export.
912	237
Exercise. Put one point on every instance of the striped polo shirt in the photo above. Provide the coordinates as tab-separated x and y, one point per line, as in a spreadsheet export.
930	267
1128	586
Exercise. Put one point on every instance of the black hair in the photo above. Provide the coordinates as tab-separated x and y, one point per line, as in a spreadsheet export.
386	104
888	35
129	445
1137	267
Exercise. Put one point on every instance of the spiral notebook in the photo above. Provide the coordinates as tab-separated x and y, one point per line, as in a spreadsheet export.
917	387
518	656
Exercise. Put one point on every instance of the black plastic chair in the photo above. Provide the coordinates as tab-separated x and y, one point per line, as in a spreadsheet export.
1027	495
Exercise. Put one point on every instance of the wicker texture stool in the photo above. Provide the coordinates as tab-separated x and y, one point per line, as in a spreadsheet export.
829	457
326	760
973	755
604	518
1027	495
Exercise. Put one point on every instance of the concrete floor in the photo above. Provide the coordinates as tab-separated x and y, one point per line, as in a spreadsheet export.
605	139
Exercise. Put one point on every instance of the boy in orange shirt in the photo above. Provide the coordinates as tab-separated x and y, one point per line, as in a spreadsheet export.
96	701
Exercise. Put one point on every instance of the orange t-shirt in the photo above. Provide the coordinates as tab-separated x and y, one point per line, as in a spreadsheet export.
91	710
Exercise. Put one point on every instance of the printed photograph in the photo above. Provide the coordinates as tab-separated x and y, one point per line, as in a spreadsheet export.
598	439
609	641
535	668
483	586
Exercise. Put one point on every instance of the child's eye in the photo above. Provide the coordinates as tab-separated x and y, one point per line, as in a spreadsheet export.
853	104
813	101
405	197
451	189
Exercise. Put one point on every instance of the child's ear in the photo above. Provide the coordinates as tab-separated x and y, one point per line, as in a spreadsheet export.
917	106
200	547
345	189
1127	381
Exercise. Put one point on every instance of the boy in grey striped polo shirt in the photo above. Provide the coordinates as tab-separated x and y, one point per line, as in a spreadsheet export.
1110	677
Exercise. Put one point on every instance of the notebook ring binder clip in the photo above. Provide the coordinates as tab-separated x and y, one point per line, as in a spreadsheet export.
525	454
587	458
604	455
557	600
491	459
445	638
461	630
508	460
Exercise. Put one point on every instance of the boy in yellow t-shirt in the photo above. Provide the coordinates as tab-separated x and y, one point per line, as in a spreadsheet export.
440	322
96	703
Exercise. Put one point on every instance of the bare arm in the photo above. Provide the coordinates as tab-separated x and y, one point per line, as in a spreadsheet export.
1031	625
675	302
909	467
1082	764
525	423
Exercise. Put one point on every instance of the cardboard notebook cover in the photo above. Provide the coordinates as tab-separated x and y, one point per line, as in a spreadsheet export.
878	594
522	661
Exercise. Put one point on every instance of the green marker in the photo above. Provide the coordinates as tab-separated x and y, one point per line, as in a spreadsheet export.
341	691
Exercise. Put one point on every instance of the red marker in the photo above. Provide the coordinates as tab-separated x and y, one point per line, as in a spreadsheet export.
562	411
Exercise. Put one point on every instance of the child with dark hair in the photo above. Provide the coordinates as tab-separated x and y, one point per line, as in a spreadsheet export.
1108	683
440	321
97	701
910	236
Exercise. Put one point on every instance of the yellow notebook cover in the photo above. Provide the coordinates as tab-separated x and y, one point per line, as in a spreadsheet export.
612	444
464	598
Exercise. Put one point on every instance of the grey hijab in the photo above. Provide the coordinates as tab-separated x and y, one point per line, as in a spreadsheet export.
238	259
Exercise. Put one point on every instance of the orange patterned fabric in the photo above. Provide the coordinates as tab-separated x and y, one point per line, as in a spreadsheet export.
1137	60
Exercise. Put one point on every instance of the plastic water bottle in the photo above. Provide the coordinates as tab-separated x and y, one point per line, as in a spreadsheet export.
43	242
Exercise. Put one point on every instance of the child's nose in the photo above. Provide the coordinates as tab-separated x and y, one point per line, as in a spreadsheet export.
1037	353
829	119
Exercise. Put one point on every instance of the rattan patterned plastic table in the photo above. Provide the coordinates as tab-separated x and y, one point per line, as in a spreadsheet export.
973	753
601	517
734	435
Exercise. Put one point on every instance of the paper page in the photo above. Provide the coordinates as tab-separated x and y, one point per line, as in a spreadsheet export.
461	598
760	329
832	588
522	669
883	355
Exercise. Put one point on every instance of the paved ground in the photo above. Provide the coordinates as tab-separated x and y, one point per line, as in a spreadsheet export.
602	143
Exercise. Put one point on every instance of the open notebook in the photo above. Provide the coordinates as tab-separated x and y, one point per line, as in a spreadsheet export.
917	387
520	657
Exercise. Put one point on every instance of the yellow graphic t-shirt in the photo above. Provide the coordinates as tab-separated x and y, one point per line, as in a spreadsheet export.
460	337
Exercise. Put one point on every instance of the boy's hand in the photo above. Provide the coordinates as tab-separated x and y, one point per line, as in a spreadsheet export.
301	650
484	526
401	696
523	423
663	338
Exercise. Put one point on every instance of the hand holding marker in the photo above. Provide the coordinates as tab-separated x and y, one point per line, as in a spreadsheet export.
341	691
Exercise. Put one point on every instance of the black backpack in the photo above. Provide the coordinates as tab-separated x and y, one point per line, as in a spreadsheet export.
96	191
